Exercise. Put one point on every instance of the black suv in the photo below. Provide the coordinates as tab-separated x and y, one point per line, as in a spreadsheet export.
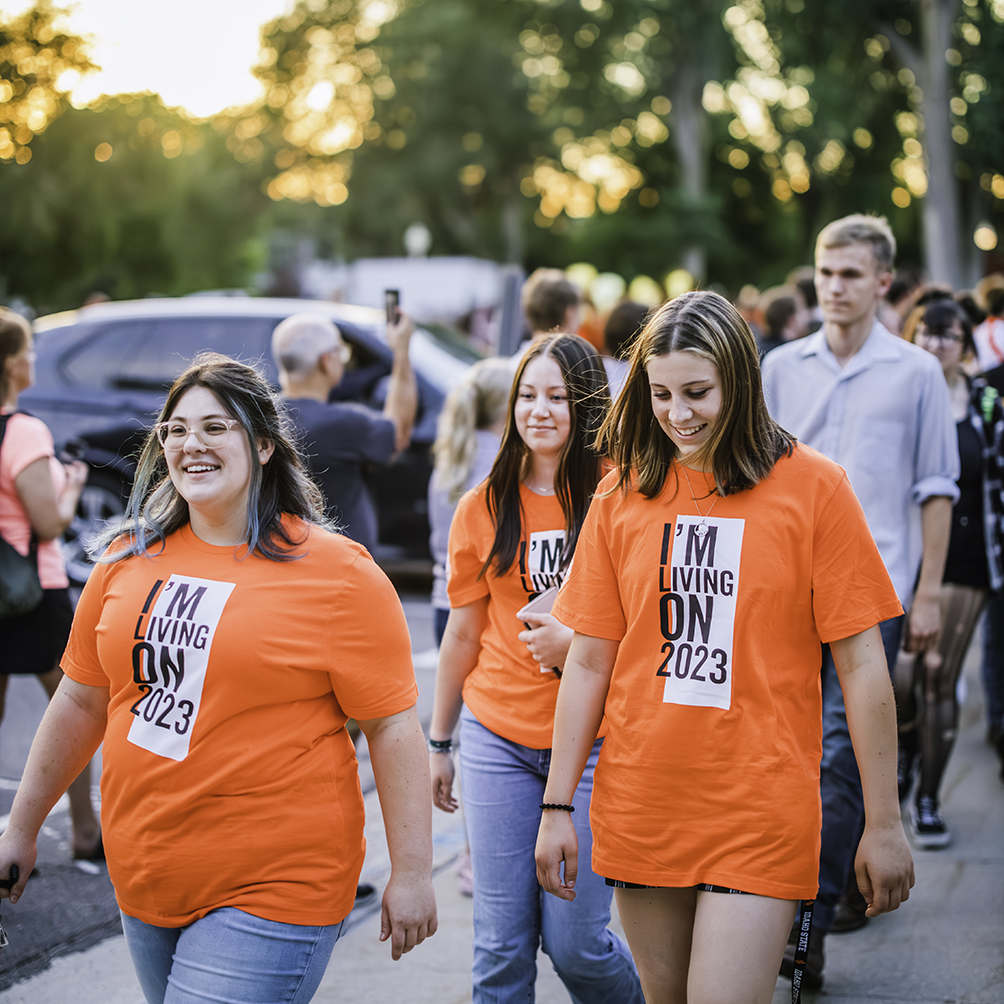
102	374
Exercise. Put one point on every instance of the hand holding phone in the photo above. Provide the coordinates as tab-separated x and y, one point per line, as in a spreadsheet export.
392	302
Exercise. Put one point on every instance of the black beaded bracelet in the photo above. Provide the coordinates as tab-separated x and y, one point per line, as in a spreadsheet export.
440	745
555	805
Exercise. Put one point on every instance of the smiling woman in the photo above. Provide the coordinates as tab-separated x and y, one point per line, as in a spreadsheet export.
218	649
711	565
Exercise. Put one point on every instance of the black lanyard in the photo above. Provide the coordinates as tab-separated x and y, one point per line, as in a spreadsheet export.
801	948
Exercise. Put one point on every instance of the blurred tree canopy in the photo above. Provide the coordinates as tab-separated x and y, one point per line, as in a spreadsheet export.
129	198
642	136
38	65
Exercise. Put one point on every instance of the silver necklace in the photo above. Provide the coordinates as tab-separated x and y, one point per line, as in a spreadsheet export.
540	491
702	528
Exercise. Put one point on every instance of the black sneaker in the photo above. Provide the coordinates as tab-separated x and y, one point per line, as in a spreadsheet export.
813	976
928	826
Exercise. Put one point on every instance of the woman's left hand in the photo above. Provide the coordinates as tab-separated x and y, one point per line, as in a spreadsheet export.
884	868
557	844
548	639
408	915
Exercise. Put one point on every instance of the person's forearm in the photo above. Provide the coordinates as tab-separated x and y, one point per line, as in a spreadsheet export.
578	713
936	529
402	400
871	720
458	655
401	771
71	730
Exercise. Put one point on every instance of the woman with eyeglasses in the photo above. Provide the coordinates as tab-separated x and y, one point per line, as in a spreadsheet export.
219	646
38	500
926	684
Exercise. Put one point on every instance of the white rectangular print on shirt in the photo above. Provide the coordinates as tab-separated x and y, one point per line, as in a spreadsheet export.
698	612
540	565
170	663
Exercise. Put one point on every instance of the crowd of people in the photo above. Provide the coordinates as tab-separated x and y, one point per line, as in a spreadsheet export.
732	549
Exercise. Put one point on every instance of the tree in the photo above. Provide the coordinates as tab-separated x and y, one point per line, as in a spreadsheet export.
130	198
881	121
38	65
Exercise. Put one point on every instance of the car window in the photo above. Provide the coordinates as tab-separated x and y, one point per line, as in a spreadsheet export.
149	354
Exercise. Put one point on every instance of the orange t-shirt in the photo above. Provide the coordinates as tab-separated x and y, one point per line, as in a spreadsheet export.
508	691
229	778
710	770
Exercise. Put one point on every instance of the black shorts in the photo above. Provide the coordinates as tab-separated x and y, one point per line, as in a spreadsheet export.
34	643
700	887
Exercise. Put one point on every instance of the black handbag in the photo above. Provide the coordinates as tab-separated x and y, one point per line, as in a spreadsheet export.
20	588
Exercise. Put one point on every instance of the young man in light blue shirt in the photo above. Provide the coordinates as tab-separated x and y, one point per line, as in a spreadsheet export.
880	408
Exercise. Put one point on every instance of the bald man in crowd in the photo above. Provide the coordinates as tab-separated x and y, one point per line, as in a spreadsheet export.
340	438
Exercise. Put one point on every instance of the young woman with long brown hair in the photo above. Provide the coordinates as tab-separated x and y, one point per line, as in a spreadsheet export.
712	565
511	539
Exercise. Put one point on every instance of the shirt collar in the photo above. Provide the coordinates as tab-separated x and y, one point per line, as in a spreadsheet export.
876	348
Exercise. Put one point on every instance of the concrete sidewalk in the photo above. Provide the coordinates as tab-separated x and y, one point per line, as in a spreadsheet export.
945	945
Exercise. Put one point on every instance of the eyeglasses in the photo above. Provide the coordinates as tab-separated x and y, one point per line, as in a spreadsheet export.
941	336
212	433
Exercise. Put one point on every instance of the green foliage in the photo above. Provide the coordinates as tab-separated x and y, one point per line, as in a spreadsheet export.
36	61
638	135
129	198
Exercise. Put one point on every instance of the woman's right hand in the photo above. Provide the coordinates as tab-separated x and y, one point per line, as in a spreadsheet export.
76	474
15	850
441	769
557	842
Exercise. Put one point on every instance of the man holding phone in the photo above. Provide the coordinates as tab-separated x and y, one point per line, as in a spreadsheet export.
341	437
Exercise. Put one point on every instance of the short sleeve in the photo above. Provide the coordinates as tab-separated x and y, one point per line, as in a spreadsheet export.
589	600
26	440
851	589
372	674
80	660
471	536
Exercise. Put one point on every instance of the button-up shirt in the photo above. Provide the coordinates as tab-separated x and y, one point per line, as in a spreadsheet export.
886	418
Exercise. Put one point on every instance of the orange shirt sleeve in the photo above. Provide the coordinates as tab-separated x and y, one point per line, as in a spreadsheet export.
471	536
372	674
851	589
589	601
80	660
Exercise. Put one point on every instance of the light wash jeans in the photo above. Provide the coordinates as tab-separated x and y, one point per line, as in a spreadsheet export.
840	784
229	956
503	786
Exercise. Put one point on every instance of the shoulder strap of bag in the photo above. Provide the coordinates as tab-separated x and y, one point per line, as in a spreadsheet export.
33	546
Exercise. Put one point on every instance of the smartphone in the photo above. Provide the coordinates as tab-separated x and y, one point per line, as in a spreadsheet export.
392	301
540	604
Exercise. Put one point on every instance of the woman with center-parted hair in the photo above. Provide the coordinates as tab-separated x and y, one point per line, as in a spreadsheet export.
512	538
218	648
711	566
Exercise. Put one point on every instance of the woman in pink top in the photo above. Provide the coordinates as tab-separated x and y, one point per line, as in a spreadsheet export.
38	495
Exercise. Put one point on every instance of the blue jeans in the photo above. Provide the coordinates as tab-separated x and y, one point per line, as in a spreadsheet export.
229	956
992	670
503	786
840	784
